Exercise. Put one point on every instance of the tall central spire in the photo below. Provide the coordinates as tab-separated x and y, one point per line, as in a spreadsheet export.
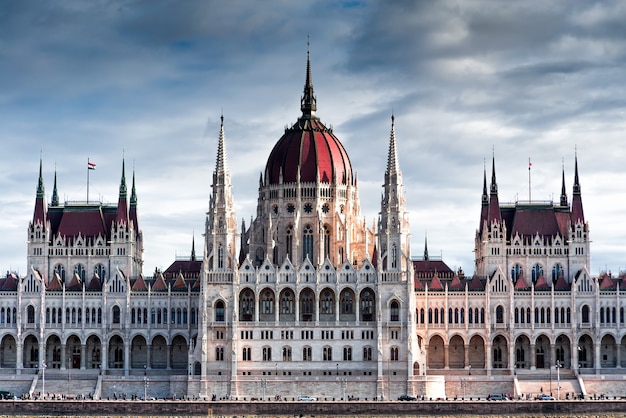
308	103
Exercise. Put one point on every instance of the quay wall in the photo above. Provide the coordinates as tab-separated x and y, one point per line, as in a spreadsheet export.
319	408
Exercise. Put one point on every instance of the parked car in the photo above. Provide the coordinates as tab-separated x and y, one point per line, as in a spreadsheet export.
407	398
307	398
545	397
497	397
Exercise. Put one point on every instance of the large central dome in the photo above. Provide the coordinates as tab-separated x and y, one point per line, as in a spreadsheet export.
308	151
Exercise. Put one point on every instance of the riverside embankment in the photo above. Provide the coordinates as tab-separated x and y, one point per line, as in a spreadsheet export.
318	408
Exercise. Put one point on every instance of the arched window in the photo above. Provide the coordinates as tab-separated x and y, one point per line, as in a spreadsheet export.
267	353
220	257
100	271
516	272
347	353
267	302
585	314
499	314
306	354
247	354
286	353
307	243
328	353
327	302
289	242
367	305
30	311
367	353
395	311
60	270
80	270
394	256
347	302
326	242
246	305
394	354
537	272
219	353
116	314
557	271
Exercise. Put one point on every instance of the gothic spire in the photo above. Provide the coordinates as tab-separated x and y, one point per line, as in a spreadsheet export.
132	211
55	193
308	103
122	205
123	181
563	192
485	197
494	184
221	164
425	247
133	192
392	158
577	202
41	191
40	205
193	248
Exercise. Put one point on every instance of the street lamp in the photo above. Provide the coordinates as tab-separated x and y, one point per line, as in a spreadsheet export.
43	379
469	368
558	379
463	385
337	369
276	369
145	383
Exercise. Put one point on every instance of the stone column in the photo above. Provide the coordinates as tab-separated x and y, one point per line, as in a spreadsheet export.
63	353
83	356
533	357
149	356
169	355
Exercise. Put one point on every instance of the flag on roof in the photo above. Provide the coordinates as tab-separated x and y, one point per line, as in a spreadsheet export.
90	165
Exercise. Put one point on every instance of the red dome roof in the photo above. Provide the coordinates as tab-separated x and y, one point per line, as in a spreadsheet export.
310	149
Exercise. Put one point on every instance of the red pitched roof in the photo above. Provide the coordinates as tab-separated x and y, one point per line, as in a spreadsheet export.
607	283
95	284
456	284
521	284
140	285
435	284
541	284
55	283
75	284
159	284
476	285
179	284
561	284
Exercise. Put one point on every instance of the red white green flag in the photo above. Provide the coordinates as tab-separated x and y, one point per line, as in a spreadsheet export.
90	165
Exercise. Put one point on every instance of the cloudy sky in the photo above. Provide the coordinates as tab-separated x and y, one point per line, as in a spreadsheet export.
148	81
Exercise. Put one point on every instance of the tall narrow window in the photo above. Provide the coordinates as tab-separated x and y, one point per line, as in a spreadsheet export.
289	242
307	243
326	242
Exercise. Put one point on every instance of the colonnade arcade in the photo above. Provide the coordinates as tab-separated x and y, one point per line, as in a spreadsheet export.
92	353
540	352
307	305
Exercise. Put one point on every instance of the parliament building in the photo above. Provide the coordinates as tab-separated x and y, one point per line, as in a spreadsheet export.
307	299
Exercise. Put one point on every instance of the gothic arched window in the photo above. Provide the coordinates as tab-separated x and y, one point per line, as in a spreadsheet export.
307	243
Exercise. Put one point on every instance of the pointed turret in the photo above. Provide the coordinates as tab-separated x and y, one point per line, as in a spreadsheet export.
55	193
122	204
193	248
392	157
221	226
425	248
40	201
132	212
577	203
494	204
484	211
563	192
394	225
308	103
221	165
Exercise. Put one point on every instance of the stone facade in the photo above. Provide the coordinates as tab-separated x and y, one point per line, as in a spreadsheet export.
307	298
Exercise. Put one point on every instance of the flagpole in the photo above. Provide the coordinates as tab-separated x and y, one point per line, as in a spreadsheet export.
88	180
529	165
